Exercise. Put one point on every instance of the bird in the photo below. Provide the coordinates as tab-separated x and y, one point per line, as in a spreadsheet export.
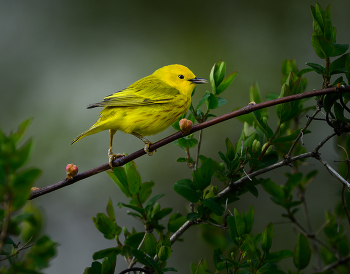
147	107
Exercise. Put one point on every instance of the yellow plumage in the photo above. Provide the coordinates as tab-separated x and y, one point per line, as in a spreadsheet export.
148	106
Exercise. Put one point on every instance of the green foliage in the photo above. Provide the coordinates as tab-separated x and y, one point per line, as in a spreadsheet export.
212	188
17	216
323	40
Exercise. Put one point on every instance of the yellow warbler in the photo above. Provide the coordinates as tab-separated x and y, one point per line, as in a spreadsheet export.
147	107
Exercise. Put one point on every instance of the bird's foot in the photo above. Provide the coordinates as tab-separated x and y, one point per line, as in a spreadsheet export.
112	157
146	148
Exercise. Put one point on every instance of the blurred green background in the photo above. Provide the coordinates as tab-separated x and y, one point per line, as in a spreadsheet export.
56	57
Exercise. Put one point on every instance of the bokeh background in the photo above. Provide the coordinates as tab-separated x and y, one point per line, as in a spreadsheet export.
56	57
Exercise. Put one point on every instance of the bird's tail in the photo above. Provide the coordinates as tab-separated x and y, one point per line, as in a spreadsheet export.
90	131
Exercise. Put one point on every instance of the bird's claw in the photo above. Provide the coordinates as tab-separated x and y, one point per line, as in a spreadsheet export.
146	149
112	157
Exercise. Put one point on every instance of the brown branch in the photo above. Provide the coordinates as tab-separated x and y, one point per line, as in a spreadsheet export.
123	160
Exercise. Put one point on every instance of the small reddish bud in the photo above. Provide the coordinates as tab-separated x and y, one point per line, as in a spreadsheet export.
71	170
185	126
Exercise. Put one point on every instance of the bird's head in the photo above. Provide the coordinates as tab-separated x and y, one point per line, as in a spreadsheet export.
179	77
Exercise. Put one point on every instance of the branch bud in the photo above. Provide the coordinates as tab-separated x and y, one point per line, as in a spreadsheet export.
71	170
185	126
256	146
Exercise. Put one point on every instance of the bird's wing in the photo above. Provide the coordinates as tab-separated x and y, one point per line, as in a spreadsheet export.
147	91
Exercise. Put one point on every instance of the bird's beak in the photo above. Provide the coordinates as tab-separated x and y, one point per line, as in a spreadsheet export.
198	80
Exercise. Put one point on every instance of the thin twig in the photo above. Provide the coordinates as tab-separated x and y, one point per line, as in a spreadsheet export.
324	141
199	266
133	260
301	133
345	207
19	250
200	138
336	263
123	160
333	172
312	236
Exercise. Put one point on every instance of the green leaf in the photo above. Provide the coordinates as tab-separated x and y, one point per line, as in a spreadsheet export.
329	100
239	221
162	213
152	201
168	269
143	259
226	83
305	70
110	210
262	125
136	208
273	189
278	255
164	253
22	154
214	206
269	159
290	137
42	251
106	267
135	239
181	160
186	189
105	225
309	177
318	68
252	245
302	252
145	191
134	177
212	80
21	130
21	186
105	253
217	257
187	142
293	181
338	111
212	102
317	46
233	230
193	216
249	220
121	180
219	72
339	49
230	153
318	15
149	245
266	238
176	220
206	171
221	101
224	158
121	183
255	96
202	100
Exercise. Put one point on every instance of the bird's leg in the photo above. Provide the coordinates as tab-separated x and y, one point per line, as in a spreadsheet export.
147	143
111	156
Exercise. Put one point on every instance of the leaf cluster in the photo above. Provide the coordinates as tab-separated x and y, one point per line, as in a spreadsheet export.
18	218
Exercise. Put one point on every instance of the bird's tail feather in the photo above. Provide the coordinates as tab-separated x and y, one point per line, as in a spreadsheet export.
90	131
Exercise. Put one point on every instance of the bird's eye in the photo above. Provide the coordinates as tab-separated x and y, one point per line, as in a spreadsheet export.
181	76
